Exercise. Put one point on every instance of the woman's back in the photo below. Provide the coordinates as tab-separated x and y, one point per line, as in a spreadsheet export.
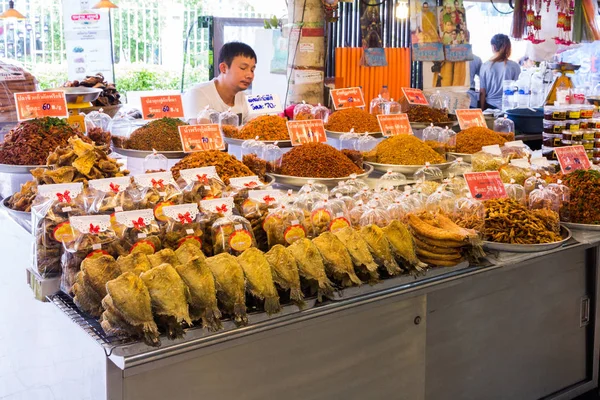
491	76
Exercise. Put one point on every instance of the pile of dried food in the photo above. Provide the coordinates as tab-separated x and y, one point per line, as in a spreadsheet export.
352	118
585	196
227	165
508	221
110	95
471	140
32	141
265	127
427	114
317	160
404	150
161	135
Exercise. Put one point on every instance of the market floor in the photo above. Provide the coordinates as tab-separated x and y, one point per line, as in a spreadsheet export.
43	355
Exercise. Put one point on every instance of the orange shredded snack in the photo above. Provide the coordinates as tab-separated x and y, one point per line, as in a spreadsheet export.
345	120
266	127
317	160
471	140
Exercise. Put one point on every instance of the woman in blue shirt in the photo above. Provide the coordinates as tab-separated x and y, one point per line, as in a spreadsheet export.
499	68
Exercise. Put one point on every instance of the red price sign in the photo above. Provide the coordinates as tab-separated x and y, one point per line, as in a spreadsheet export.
306	131
572	158
41	104
201	137
394	124
347	98
485	185
470	117
415	96
154	107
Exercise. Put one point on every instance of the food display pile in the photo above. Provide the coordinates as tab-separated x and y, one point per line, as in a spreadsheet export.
161	134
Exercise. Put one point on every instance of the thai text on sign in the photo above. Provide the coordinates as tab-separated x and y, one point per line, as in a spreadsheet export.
485	185
394	124
201	137
572	158
264	104
154	107
469	118
32	105
347	98
306	131
415	96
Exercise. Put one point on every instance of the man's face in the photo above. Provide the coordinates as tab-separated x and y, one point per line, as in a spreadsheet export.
241	73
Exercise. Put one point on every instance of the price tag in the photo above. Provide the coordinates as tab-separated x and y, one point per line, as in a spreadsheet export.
32	105
306	131
201	137
485	185
415	96
470	117
347	98
493	149
572	158
394	124
264	104
154	107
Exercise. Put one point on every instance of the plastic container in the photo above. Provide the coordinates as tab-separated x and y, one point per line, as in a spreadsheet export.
554	126
552	139
585	124
549	153
439	101
587	111
553	113
588	144
588	134
377	105
504	125
573	112
572	125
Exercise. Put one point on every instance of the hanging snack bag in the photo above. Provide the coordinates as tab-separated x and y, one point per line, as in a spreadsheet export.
516	192
374	215
139	231
564	195
284	225
112	195
201	184
183	226
231	233
158	190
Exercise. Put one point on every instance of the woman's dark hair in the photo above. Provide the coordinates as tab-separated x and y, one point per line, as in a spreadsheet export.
231	50
502	48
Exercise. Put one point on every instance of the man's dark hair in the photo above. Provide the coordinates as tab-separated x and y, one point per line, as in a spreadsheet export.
233	49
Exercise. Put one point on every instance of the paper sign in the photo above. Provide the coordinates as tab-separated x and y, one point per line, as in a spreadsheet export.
306	131
264	104
485	185
347	98
468	118
154	107
415	96
493	149
394	124
10	72
572	158
201	137
41	104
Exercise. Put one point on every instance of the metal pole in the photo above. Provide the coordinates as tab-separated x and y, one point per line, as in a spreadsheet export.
112	52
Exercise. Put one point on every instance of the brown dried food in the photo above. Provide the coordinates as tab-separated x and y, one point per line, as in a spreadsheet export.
317	160
227	165
109	96
230	131
427	114
585	196
352	118
355	156
32	141
405	150
21	201
259	166
99	136
471	140
266	127
161	135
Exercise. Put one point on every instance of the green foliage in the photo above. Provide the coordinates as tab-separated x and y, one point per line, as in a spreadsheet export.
272	23
50	75
134	77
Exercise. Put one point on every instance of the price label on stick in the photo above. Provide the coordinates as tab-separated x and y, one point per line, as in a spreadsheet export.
415	96
306	131
347	98
572	158
32	105
201	137
154	107
485	185
469	118
394	124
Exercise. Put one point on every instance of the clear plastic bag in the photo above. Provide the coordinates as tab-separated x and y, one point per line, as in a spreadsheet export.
138	231
312	186
459	168
374	215
356	213
120	129
273	155
457	185
391	180
157	190
392	107
564	196
511	172
97	119
363	195
428	173
542	198
504	125
377	106
201	184
229	123
155	162
343	189
366	143
285	225
329	215
483	161
357	183
253	146
112	195
349	140
435	138
533	183
303	111
210	212
469	213
208	116
184	225
439	101
516	192
232	234
442	200
321	112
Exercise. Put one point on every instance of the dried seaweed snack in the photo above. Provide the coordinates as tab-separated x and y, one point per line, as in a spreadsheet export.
90	286
50	223
337	260
260	279
183	226
111	195
139	231
231	286
201	184
157	190
286	276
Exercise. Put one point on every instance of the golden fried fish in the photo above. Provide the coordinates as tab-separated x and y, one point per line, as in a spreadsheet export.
187	252
338	263
135	262
260	279
90	284
359	252
285	272
165	256
311	267
231	285
170	297
380	248
402	244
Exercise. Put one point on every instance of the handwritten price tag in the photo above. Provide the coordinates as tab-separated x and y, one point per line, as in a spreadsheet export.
201	137
347	98
154	107
572	158
264	104
415	96
394	124
306	131
32	105
470	117
485	185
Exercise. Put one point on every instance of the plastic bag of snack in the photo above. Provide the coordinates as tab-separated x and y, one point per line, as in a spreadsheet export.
229	123
312	186
93	236
484	161
366	143
120	129
391	180
306	201
401	207
303	111
239	188
285	225
253	146
201	184
273	155
356	213
428	173
329	215
357	182
211	211
207	116
457	185
533	182
321	112
542	198
374	215
138	231
157	190
435	138
349	140
427	188
516	192
377	105
510	172
113	195
469	213
363	195
442	200
515	150
97	119
232	234
256	208
459	167
50	213
184	224
564	197
155	162
343	189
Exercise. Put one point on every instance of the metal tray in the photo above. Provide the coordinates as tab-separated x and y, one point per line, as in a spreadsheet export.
408	170
238	142
145	153
22	218
19	169
337	135
529	248
465	156
79	94
299	181
423	125
587	227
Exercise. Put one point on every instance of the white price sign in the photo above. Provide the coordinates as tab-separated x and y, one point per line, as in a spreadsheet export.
264	104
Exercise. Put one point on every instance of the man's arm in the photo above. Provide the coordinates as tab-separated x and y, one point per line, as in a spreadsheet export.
482	99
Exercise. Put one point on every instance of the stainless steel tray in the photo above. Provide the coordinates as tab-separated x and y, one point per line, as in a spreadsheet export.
337	135
408	170
79	94
299	181
529	248
238	142
465	156
587	227
423	125
22	218
19	169
145	153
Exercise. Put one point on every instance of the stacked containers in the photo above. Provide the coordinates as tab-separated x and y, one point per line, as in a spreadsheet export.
571	125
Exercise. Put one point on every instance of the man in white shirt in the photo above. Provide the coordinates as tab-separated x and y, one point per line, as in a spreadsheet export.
237	62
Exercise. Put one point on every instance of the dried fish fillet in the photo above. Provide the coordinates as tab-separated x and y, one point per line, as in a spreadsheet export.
359	252
338	263
380	248
260	280
231	285
165	256
311	267
285	272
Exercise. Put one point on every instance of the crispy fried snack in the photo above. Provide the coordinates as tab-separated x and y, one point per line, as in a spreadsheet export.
311	267
260	279
380	248
338	263
285	272
231	285
357	247
90	284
